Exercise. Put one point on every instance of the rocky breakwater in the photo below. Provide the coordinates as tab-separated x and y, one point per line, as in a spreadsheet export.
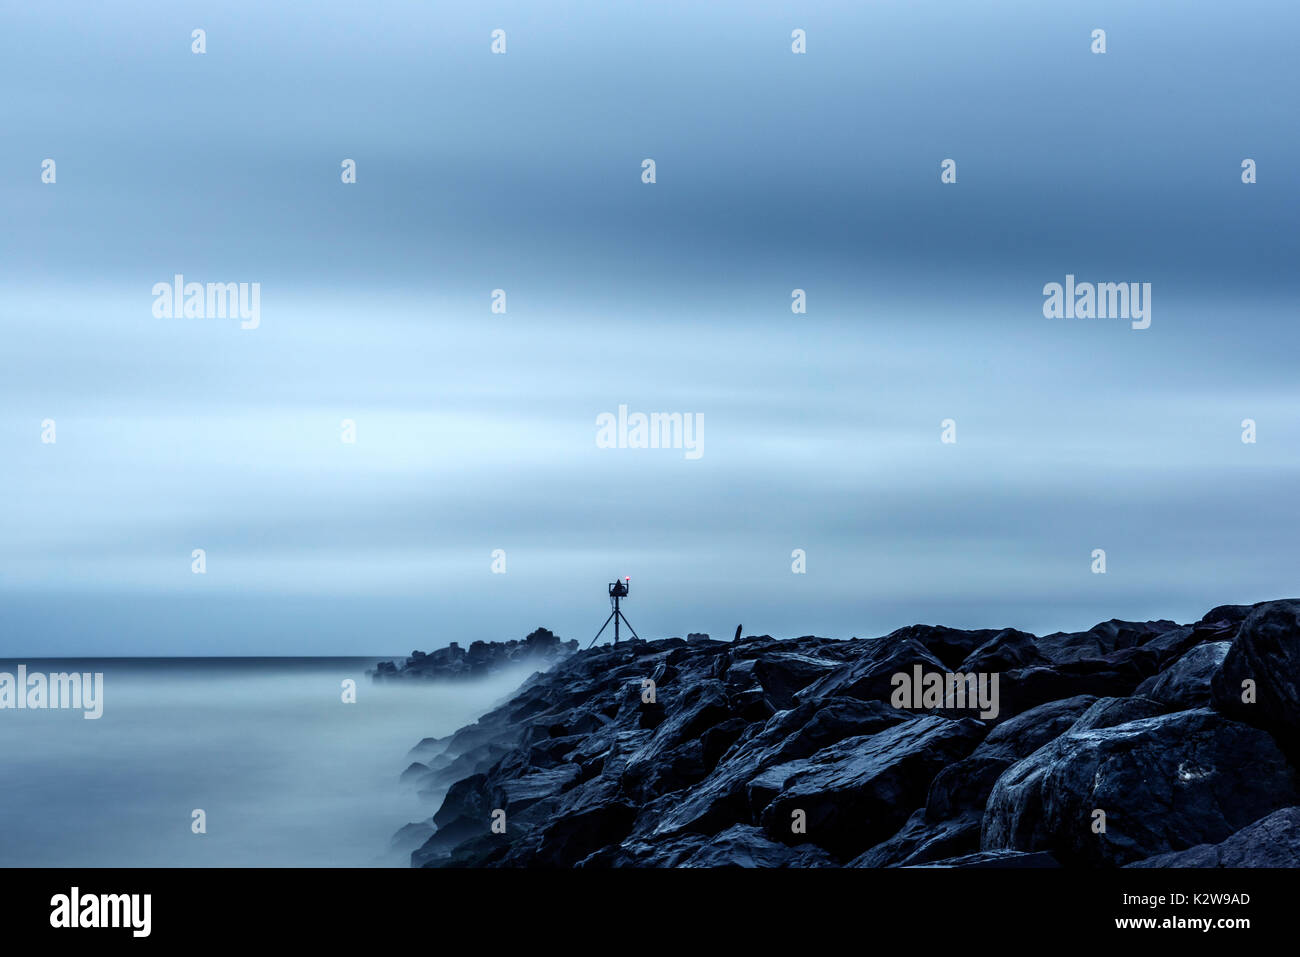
1131	743
542	648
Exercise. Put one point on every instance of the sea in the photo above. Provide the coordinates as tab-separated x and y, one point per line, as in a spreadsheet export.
287	768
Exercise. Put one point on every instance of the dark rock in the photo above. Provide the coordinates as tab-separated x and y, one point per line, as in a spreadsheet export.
575	836
416	774
724	797
484	850
1267	650
411	836
950	822
868	676
781	675
1165	783
949	645
741	734
856	792
465	814
920	841
745	846
1273	841
1108	712
1115	674
1102	639
1229	615
542	648
673	756
1186	683
1006	651
1025	733
517	793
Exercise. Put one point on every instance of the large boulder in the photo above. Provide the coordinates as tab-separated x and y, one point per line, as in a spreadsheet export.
723	797
965	785
571	837
920	841
744	845
781	675
1111	674
673	757
857	792
949	645
869	677
465	814
1103	639
949	824
1108	712
1005	651
1165	783
1025	733
1186	683
1267	651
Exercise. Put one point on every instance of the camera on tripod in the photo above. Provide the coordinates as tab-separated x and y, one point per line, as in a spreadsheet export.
618	590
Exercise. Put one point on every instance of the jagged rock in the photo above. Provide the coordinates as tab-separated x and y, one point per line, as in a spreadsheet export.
1102	639
723	797
1024	734
869	676
1108	712
1186	683
965	785
781	675
743	845
429	749
408	838
592	770
518	793
856	792
920	841
673	757
1273	841
572	837
1267	650
464	815
542	648
1114	674
1164	783
950	822
1008	650
1228	615
950	646
417	775
474	761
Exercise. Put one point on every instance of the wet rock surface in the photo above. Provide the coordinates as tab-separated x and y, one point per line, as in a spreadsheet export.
1127	744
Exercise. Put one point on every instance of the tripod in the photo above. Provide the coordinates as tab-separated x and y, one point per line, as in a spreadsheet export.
617	591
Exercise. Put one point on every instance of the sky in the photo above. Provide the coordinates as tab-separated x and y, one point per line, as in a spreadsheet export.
476	431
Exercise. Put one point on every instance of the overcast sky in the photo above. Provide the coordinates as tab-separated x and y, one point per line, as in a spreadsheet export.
477	431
